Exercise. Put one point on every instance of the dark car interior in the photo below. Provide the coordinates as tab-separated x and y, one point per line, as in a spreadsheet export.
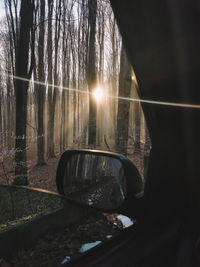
162	41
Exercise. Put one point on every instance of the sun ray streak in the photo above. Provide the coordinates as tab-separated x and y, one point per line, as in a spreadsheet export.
154	102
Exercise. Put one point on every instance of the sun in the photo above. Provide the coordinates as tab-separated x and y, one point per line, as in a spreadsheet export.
98	94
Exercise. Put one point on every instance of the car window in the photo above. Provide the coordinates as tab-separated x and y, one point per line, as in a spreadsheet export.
62	91
65	83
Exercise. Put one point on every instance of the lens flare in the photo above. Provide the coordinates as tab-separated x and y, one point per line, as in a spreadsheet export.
98	94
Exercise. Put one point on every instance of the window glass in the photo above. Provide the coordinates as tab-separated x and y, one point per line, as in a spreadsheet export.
65	83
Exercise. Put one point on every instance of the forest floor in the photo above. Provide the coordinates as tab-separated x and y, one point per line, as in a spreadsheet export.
52	249
44	177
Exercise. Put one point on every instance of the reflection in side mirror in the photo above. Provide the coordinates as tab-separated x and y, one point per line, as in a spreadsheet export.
94	179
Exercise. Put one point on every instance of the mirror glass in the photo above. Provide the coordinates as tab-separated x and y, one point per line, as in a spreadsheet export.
95	180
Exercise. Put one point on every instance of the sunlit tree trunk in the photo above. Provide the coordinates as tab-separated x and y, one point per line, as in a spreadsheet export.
66	66
101	38
114	74
84	59
123	105
91	72
50	130
56	66
10	51
63	98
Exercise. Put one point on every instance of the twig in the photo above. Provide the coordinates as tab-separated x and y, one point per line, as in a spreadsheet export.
34	128
106	143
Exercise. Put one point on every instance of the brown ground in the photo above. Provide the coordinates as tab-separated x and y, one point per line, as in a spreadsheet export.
44	176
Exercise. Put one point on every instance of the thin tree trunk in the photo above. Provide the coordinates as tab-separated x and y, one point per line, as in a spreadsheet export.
123	106
137	114
91	74
50	130
41	88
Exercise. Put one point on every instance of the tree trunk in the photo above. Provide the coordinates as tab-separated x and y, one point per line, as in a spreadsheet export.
74	100
50	130
123	105
41	87
21	88
137	115
63	131
91	72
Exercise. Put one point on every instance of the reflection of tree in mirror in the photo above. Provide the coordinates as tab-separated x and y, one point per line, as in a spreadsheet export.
95	180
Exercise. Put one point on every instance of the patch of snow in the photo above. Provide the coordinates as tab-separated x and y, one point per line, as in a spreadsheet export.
125	220
88	246
109	236
66	259
90	201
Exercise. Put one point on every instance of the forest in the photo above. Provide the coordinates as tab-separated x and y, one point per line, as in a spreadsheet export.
65	82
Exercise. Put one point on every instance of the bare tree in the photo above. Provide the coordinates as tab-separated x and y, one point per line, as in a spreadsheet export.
66	65
63	132
50	130
23	70
91	71
12	17
41	88
123	105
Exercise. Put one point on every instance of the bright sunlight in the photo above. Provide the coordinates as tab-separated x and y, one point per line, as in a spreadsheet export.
98	94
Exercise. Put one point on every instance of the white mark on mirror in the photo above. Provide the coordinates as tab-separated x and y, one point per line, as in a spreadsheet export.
90	202
127	222
66	259
88	246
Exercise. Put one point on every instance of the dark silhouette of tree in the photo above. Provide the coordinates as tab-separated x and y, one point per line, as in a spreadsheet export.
41	87
65	96
123	105
21	86
91	71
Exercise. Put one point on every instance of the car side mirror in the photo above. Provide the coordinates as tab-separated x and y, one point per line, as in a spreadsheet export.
99	179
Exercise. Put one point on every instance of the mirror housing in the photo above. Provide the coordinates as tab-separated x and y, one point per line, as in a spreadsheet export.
106	181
